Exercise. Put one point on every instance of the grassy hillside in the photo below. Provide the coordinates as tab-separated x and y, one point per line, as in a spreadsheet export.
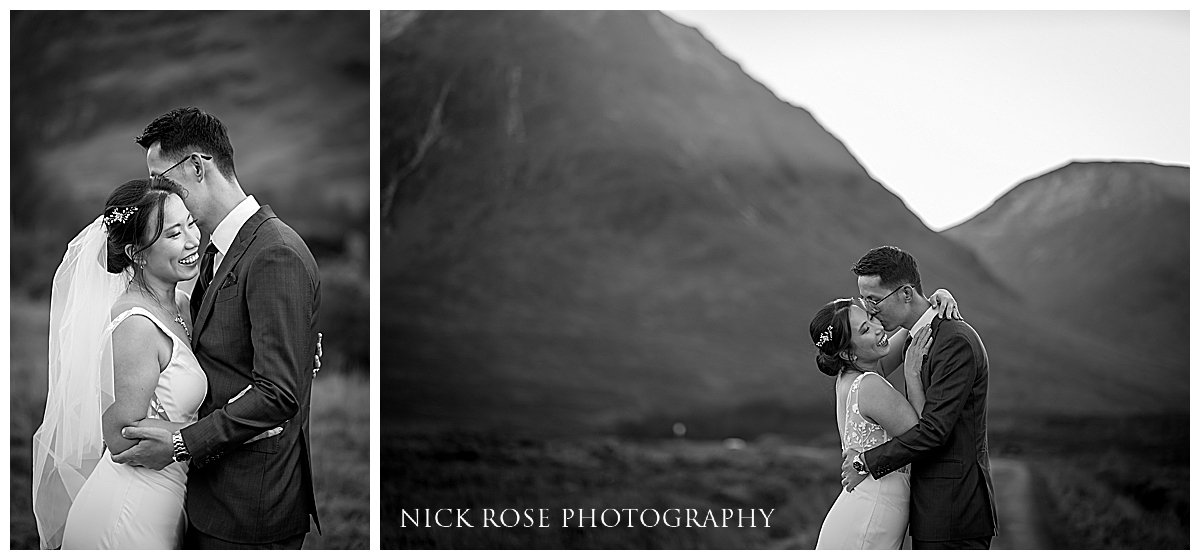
1103	245
648	238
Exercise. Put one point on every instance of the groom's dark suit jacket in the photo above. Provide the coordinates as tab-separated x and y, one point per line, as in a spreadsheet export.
256	326
952	493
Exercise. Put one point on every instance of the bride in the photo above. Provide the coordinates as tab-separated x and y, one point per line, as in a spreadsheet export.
853	348
119	352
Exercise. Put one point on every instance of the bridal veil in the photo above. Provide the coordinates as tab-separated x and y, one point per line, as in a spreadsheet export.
69	442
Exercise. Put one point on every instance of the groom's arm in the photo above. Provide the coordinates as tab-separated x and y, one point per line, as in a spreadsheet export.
952	369
280	297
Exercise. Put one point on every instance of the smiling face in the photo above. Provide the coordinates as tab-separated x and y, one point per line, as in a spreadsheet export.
868	339
175	255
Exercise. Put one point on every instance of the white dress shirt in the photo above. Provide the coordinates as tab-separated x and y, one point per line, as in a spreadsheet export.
229	227
924	321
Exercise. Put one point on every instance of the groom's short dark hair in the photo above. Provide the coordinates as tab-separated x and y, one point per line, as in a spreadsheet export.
892	265
188	128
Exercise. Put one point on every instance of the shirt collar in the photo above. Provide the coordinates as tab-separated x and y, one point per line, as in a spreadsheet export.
229	227
926	319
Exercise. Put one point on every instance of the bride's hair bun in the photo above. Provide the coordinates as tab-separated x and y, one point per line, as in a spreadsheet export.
830	331
133	215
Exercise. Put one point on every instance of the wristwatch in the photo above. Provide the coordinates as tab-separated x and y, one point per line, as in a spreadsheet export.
859	466
180	454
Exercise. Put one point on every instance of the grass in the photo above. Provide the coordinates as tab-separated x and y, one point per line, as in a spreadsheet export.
340	423
1100	483
1108	483
341	439
1115	501
486	470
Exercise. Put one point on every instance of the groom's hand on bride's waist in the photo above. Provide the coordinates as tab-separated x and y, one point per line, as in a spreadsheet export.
153	449
850	476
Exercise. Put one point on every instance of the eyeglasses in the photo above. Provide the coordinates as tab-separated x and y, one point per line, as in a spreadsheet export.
164	173
873	305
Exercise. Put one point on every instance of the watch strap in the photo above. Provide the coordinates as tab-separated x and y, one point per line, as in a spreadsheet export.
179	449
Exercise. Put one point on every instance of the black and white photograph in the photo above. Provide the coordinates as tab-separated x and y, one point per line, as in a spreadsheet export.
190	280
777	280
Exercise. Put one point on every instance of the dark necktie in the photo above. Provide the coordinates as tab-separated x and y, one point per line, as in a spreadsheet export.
206	276
907	342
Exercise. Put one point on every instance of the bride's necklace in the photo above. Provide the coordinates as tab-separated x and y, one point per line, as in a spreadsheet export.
179	320
186	331
178	315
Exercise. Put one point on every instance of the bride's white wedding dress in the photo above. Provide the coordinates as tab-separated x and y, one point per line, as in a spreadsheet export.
875	514
124	507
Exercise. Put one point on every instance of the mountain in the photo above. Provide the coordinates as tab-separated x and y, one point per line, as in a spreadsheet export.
595	219
1102	246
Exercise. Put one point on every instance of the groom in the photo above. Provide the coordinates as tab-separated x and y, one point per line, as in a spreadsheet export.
952	503
254	311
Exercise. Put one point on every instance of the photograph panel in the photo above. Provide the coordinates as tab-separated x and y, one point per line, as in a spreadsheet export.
611	244
102	101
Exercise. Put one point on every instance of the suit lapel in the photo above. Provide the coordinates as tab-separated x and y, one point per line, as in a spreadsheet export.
926	374
242	242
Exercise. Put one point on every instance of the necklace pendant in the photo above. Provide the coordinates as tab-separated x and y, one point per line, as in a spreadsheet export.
179	319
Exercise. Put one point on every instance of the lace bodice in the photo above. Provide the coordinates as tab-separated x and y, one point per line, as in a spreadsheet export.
182	385
858	432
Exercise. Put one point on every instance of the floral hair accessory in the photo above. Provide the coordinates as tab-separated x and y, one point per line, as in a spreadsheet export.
119	215
825	336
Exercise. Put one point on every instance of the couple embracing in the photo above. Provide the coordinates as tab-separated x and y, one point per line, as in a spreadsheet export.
178	420
915	463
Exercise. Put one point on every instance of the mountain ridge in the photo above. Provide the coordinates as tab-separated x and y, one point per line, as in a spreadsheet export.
1017	190
1100	244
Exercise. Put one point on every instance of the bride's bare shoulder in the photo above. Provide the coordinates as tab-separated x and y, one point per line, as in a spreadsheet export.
124	303
135	331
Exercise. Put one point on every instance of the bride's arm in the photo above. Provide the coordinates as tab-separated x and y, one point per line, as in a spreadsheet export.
944	305
136	367
182	301
884	405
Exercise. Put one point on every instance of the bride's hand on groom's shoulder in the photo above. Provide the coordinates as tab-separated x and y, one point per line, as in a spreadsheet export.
944	304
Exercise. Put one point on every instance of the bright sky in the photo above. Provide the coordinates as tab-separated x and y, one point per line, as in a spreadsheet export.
950	110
